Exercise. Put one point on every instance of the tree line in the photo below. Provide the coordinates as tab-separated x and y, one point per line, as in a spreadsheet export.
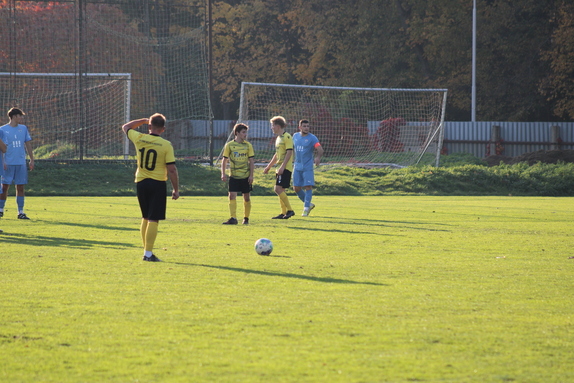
525	51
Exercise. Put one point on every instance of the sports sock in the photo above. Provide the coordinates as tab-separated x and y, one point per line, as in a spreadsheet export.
308	197
143	229
246	208
233	208
283	207
285	200
2	203
150	235
20	203
301	195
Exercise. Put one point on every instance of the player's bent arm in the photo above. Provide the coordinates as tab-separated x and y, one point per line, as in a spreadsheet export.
223	168
174	178
251	169
134	124
288	155
2	147
271	163
30	152
319	154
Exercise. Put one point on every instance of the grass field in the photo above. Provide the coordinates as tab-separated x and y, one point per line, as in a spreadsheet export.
367	289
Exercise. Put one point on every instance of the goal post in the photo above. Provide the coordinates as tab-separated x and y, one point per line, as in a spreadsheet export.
356	126
65	120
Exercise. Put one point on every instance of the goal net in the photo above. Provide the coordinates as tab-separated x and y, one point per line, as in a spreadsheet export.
53	103
356	126
92	43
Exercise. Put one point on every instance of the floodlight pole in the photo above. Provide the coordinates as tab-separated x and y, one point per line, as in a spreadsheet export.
473	101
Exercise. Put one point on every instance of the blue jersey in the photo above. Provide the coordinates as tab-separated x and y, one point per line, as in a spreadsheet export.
1	156
14	138
304	151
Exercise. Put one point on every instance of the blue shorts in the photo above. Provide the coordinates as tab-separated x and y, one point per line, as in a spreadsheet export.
303	178
15	174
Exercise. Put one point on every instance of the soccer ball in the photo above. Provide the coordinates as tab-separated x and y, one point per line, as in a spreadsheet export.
263	246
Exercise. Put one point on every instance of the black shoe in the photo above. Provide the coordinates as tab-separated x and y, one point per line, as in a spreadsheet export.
153	258
246	221
1	214
280	216
22	216
231	221
289	214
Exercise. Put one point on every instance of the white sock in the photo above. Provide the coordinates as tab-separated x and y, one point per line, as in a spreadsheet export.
147	253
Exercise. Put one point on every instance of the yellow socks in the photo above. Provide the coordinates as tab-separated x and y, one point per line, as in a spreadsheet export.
285	205
233	208
150	236
246	208
143	229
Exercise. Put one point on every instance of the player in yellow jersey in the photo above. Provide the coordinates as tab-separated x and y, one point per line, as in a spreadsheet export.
156	162
284	157
240	156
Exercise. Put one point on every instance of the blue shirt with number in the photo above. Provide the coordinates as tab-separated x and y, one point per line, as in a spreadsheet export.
304	149
14	138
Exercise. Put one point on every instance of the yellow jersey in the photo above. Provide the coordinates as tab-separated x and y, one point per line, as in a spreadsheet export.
239	155
283	143
153	155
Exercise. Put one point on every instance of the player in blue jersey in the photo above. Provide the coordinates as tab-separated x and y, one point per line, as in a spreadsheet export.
308	153
17	140
3	150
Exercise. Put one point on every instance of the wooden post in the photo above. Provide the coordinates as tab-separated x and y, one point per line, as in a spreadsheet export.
494	137
555	137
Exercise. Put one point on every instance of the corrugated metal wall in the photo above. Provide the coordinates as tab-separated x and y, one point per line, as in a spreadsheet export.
459	137
517	137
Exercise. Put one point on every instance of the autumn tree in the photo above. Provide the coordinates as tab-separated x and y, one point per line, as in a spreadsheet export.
558	86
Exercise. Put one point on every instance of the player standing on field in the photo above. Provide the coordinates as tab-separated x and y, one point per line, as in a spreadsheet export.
2	150
17	141
241	158
156	162
284	156
305	145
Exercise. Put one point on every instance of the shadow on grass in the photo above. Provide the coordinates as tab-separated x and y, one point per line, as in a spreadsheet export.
338	231
38	240
284	275
104	227
381	222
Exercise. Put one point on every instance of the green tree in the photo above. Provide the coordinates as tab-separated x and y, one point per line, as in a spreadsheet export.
558	86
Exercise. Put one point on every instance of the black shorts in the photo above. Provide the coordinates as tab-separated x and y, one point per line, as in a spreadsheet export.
283	180
152	196
239	185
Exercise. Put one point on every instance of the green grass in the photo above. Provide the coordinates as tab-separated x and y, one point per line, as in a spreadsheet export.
117	179
367	289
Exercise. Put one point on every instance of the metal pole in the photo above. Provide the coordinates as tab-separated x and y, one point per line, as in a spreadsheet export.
81	73
473	101
210	76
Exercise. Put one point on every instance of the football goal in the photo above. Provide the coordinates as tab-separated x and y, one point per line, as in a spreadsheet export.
71	117
356	126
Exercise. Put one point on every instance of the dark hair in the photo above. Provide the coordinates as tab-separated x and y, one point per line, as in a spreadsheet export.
15	112
304	121
158	120
278	120
239	127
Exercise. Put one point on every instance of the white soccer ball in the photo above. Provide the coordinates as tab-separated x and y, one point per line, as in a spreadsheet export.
263	246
